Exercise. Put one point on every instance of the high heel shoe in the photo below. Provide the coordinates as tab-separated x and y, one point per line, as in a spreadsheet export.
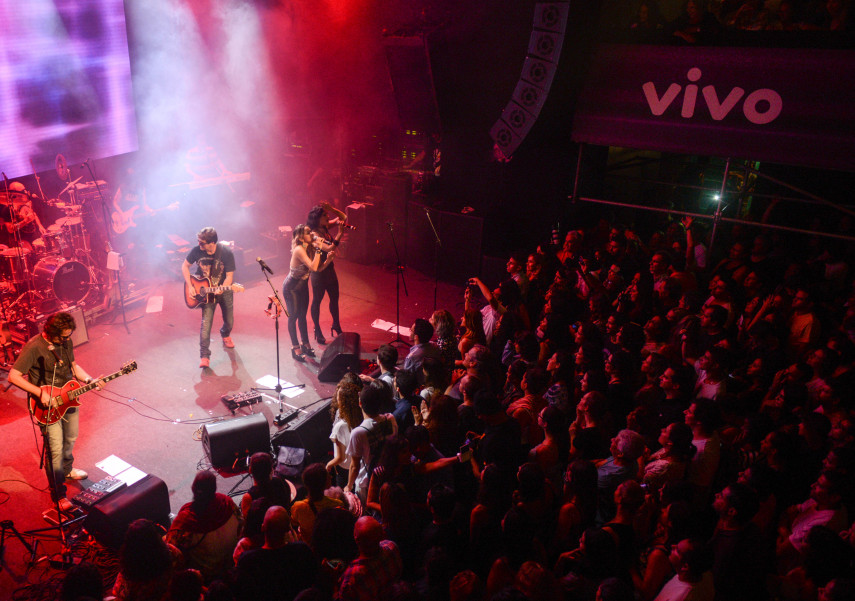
335	331
307	350
297	357
319	337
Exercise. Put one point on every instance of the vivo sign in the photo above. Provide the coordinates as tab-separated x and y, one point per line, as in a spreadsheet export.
759	107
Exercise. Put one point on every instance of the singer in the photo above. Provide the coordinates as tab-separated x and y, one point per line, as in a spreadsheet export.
48	359
305	259
217	263
326	281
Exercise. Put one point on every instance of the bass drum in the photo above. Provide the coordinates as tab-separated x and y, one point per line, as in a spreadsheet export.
70	281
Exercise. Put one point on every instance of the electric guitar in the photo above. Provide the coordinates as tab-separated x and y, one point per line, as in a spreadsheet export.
200	291
123	220
66	397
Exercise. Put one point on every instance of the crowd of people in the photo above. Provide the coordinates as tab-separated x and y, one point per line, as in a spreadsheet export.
622	418
708	21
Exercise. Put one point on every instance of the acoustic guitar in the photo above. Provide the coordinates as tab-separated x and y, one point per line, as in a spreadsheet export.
200	291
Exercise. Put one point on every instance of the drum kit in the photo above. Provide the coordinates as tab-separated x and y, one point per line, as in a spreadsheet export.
57	270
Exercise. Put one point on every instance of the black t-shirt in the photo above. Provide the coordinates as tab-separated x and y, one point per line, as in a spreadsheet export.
214	266
39	357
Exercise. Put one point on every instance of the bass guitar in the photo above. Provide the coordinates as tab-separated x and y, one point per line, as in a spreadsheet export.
123	220
66	397
200	291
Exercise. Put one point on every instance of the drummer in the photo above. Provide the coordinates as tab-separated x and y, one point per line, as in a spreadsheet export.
26	221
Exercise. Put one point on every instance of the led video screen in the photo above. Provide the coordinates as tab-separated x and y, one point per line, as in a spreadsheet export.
65	83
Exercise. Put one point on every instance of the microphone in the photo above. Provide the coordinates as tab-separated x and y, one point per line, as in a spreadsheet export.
347	226
264	266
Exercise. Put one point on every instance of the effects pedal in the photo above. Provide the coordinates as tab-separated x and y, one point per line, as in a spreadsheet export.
97	492
241	399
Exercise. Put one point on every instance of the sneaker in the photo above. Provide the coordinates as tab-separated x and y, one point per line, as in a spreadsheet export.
204	362
228	342
76	474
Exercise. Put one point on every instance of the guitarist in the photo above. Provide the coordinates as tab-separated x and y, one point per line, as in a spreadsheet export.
48	359
217	263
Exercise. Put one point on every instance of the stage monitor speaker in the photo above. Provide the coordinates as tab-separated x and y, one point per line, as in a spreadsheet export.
340	357
310	431
228	442
109	520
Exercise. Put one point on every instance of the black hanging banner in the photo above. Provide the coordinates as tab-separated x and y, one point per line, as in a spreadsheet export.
782	105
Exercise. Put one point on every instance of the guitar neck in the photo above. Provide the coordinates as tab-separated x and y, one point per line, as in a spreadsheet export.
216	289
86	388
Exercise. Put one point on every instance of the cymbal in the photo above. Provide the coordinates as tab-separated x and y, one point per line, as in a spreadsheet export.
66	221
14	252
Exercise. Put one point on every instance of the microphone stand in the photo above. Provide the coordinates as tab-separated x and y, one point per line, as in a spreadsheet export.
399	277
106	219
436	248
279	420
47	463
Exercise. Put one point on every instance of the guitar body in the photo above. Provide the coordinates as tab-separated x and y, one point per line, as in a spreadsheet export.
194	295
122	220
46	416
200	291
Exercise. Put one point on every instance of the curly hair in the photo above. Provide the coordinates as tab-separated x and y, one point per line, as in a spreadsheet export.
443	323
345	402
59	322
315	216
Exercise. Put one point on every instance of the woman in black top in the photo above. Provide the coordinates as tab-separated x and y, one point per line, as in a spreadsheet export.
326	281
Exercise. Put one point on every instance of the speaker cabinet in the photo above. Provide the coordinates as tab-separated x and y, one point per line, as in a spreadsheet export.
341	356
228	442
109	520
409	61
310	431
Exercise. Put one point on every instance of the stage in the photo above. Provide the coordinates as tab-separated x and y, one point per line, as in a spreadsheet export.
152	418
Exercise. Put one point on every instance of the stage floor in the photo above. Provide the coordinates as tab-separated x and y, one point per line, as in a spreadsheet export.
153	417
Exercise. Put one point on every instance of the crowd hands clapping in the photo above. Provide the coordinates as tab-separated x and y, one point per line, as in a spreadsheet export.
625	416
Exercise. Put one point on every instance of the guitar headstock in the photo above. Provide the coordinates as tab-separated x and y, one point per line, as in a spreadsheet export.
128	367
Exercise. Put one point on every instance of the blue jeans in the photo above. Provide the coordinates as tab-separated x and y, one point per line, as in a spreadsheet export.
226	301
60	437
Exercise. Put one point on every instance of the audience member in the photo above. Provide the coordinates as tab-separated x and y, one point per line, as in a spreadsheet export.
206	529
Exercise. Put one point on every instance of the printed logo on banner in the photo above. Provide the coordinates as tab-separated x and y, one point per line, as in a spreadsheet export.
759	107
